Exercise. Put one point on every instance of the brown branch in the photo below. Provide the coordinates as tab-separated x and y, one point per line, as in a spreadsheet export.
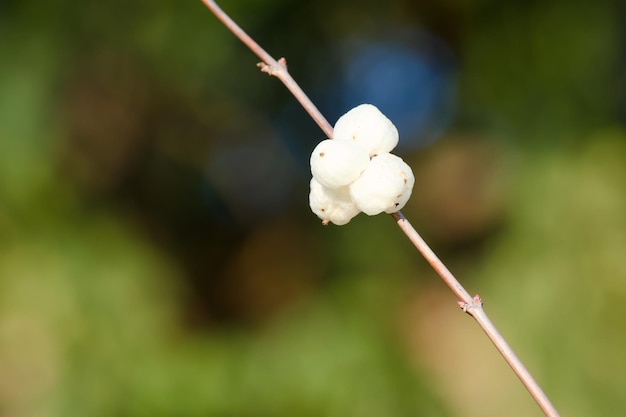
471	305
275	68
474	307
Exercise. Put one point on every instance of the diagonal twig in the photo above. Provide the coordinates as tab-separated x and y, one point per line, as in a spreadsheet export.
275	68
471	305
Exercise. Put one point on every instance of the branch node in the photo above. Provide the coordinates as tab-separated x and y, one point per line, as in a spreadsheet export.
477	303
274	68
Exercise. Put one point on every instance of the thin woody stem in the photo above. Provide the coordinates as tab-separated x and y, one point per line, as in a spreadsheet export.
474	307
431	258
275	68
476	310
471	305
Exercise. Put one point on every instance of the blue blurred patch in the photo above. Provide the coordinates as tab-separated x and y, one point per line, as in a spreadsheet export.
410	79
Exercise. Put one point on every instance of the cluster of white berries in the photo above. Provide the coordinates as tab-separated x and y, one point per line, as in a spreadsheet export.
355	171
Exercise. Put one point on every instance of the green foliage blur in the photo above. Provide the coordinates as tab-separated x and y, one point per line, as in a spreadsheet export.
158	256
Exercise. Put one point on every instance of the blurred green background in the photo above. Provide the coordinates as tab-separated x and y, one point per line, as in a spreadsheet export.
158	256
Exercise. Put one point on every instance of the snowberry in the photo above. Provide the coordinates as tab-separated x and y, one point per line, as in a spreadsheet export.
355	172
332	205
337	163
368	127
385	185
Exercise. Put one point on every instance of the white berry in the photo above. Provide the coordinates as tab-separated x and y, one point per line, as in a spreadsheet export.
337	163
368	127
385	185
332	205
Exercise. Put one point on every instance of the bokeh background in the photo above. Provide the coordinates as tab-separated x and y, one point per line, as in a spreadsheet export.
158	256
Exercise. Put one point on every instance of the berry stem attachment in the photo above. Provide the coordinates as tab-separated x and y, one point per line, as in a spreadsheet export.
471	305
